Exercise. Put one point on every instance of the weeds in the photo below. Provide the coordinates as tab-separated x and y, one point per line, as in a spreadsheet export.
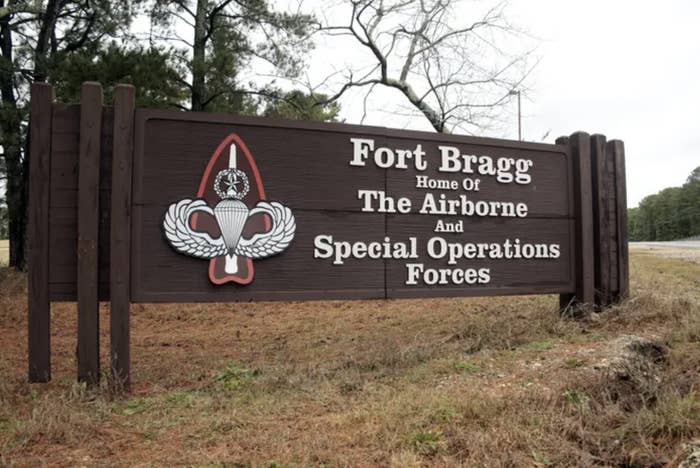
444	414
673	416
574	363
132	406
541	345
183	400
575	397
235	376
427	442
541	459
466	367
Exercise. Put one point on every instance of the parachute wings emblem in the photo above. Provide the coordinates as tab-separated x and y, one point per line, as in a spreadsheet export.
186	240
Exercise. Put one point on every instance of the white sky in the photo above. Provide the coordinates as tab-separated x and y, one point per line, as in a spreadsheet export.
627	69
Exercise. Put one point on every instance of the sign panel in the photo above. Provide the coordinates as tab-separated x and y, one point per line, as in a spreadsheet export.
229	208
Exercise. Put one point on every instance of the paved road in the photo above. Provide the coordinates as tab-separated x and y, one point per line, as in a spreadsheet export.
677	244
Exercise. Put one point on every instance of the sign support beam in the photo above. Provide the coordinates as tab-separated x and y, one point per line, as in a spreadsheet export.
584	295
120	235
39	307
617	150
88	226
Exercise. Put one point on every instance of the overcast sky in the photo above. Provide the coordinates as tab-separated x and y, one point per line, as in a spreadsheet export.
627	69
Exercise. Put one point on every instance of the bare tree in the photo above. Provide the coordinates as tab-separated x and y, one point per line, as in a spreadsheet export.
456	71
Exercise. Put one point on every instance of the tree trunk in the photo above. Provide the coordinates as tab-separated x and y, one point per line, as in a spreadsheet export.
199	57
18	167
10	123
41	52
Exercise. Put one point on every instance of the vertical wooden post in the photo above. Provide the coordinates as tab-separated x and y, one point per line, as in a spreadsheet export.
580	144
602	241
617	149
565	300
612	222
120	234
39	307
88	223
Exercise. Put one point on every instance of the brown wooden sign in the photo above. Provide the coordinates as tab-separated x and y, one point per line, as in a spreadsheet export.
378	213
165	206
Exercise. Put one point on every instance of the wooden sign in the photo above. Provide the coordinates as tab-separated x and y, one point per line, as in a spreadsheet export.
343	211
165	206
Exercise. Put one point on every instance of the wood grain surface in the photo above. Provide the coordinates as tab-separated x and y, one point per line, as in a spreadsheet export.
89	213
38	235
120	234
306	167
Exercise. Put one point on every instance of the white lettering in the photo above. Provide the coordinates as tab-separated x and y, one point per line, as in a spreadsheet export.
506	170
323	247
462	206
385	157
360	150
417	272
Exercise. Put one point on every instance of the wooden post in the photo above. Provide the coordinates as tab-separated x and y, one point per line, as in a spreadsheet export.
612	222
580	145
88	223
617	149
565	300
120	234
602	241
39	307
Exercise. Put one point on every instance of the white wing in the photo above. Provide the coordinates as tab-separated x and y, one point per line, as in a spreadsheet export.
275	240
183	238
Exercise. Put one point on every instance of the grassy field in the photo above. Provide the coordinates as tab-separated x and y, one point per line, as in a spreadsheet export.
471	382
4	252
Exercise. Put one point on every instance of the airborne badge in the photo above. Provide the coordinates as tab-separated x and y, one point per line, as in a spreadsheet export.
231	234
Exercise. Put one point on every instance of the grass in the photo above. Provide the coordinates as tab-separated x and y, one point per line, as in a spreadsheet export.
235	376
4	252
428	442
472	382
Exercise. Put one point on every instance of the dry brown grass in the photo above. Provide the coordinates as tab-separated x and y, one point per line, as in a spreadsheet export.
4	252
471	382
688	254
